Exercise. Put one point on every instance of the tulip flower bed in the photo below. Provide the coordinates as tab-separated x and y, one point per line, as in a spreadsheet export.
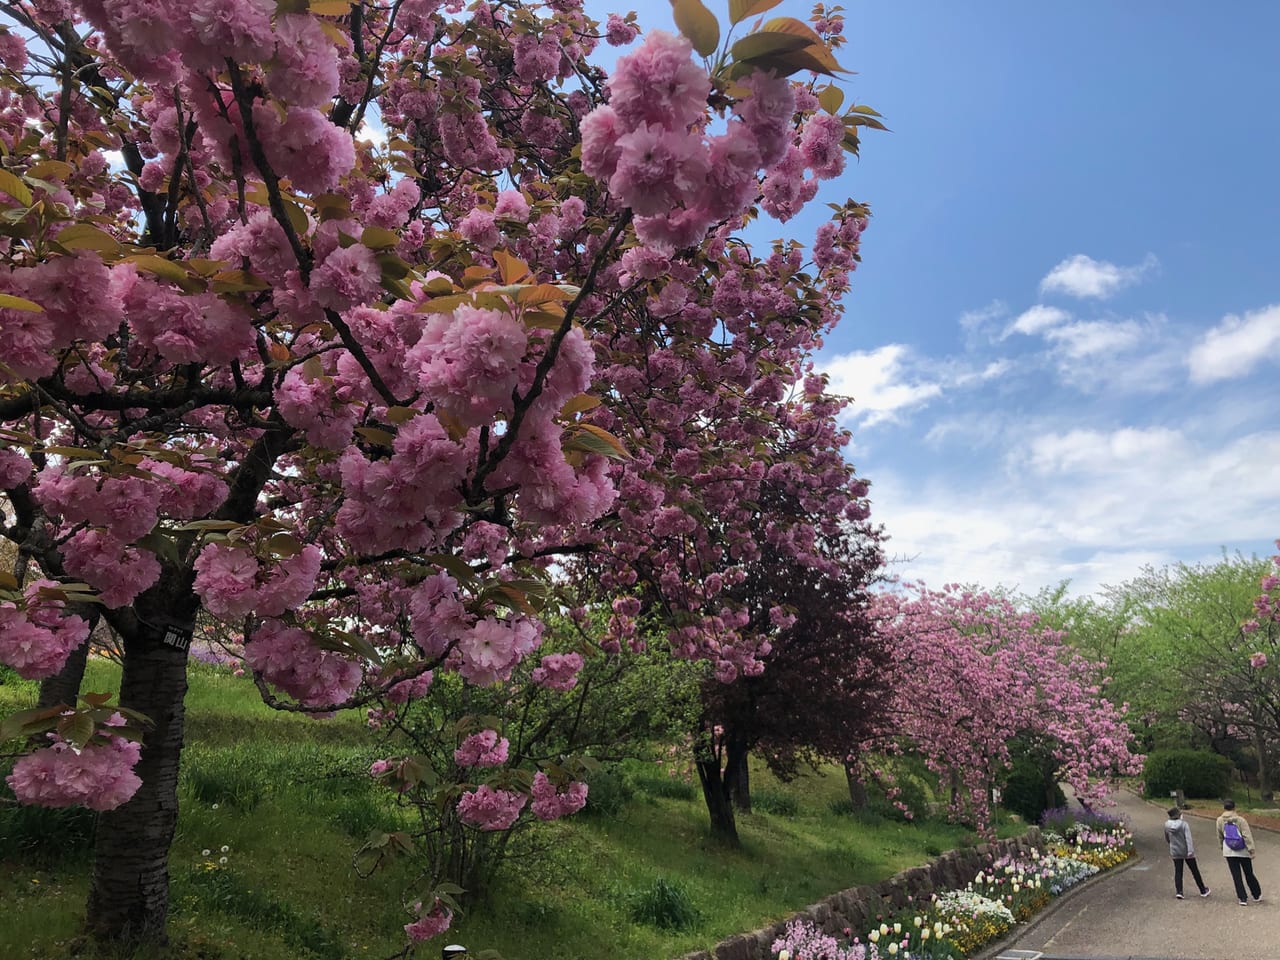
957	923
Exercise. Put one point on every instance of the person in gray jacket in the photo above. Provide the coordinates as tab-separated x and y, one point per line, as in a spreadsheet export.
1177	833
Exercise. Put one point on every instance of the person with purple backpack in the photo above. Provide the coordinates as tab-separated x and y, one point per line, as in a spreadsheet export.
1237	848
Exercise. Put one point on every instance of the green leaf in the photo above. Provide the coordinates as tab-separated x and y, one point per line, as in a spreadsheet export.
84	236
8	300
759	45
804	50
15	188
376	435
592	439
26	722
297	217
284	545
76	729
331	206
330	8
697	24
160	267
831	97
378	238
739	10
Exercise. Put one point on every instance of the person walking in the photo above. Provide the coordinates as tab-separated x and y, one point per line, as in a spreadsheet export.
1237	848
1177	833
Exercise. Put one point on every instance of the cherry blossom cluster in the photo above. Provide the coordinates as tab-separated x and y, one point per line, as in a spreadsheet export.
98	775
431	922
1267	604
37	637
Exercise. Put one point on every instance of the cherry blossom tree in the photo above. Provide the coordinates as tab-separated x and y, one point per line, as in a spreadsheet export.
345	322
973	673
826	679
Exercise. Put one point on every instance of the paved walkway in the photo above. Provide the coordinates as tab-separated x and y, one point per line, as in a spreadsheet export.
1133	913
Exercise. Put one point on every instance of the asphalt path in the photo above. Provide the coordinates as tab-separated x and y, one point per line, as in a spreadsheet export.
1132	914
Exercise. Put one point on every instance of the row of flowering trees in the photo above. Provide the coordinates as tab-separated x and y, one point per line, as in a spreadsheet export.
357	397
974	676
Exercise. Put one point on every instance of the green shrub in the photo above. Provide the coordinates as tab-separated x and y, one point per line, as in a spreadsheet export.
1024	792
777	802
1198	773
913	791
41	836
667	787
608	793
665	904
841	807
222	776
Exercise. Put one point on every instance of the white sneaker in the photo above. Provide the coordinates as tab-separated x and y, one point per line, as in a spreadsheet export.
1207	891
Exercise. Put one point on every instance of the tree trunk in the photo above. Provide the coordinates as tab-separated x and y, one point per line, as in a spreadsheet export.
64	686
1265	789
739	781
857	789
715	791
129	893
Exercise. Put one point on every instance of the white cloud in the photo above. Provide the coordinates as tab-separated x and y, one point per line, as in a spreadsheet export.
1082	276
1097	452
1236	345
1037	320
1092	506
878	383
1093	337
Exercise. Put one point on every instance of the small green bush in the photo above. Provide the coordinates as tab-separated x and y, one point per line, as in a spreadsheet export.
1024	792
608	793
841	807
41	836
666	787
665	904
777	802
1198	773
219	776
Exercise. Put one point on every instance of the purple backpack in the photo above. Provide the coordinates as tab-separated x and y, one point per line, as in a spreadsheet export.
1231	836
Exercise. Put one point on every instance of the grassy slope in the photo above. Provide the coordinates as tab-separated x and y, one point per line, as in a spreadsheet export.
292	805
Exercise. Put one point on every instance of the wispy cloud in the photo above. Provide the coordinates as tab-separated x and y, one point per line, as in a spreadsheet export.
1079	504
879	383
1236	345
1083	277
1090	338
1037	320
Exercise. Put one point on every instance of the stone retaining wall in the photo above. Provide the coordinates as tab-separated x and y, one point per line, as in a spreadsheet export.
857	907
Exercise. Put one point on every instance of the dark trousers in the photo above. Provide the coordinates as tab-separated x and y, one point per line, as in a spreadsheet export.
1195	873
1242	871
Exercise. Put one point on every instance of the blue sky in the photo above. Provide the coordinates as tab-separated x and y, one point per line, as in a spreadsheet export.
1064	339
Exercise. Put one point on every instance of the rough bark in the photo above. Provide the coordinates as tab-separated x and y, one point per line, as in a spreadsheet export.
715	791
1265	787
857	789
129	895
740	787
64	686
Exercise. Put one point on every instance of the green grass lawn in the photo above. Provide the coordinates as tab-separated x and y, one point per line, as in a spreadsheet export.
289	798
